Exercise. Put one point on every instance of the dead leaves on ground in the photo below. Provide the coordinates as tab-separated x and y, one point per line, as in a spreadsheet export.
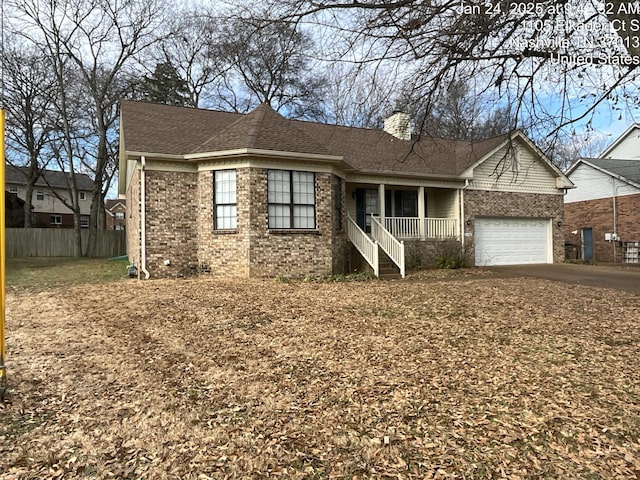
457	377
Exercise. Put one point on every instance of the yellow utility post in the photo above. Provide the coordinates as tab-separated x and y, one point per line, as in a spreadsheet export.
3	368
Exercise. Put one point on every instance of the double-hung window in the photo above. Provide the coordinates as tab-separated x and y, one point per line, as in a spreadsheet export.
224	199
291	198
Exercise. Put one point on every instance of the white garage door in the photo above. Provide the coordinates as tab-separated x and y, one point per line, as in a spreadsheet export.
512	241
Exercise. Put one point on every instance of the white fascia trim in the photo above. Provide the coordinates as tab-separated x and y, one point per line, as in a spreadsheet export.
257	152
284	164
561	180
417	180
611	174
154	156
619	140
490	187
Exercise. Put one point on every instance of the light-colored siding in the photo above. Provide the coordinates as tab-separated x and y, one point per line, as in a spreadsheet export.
522	172
592	184
442	203
51	203
629	147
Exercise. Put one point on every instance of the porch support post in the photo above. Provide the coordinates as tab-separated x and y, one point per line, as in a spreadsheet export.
421	213
381	205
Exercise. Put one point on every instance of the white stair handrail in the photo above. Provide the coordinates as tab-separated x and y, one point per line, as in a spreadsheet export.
367	247
390	244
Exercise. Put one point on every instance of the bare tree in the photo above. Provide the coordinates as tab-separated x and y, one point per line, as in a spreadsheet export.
357	95
556	61
28	99
456	111
269	63
192	48
95	39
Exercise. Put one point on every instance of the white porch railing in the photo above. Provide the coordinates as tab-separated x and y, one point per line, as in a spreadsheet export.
404	227
390	244
423	228
441	228
367	247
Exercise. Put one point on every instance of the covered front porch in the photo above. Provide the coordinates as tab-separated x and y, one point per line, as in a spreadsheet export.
416	213
383	216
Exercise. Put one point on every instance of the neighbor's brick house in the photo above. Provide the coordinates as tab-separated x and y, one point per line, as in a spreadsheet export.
51	188
260	195
602	214
115	214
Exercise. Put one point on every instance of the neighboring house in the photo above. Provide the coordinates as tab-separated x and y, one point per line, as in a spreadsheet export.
602	214
48	210
115	212
260	195
13	210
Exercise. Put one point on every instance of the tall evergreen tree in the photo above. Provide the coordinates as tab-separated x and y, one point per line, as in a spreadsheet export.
165	86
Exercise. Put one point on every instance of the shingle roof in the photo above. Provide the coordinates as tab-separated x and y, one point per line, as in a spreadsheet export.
54	178
263	129
168	129
162	129
112	202
625	168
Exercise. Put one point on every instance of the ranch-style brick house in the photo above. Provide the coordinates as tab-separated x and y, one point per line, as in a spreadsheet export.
259	195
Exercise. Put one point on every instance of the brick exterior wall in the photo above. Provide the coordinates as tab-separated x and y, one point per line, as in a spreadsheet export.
480	203
180	229
425	253
223	252
289	252
339	228
171	211
113	223
598	215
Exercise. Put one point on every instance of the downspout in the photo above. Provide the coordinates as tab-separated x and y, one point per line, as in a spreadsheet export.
462	222
143	219
615	220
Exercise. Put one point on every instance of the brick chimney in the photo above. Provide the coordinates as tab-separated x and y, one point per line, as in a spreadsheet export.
398	125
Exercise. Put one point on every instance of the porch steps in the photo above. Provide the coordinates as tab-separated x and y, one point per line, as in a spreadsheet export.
387	270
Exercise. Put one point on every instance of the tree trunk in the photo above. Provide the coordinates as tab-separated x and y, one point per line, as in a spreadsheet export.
95	223
28	204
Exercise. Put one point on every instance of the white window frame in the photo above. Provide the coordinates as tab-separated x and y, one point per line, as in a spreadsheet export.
55	219
225	200
40	194
13	189
291	200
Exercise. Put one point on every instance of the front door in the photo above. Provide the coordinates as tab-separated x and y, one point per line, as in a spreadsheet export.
366	205
587	244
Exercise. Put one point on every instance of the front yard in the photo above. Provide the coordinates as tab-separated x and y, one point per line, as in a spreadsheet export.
446	375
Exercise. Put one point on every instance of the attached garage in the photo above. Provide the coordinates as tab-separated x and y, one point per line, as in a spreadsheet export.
512	241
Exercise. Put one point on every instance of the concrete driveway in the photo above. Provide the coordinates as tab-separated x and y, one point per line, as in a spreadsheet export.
624	277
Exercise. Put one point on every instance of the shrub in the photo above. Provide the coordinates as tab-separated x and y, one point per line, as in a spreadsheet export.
449	255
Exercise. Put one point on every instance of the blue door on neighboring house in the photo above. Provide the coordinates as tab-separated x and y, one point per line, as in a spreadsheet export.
587	243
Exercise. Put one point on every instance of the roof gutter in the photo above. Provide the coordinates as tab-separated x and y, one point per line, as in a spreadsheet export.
412	175
261	152
462	220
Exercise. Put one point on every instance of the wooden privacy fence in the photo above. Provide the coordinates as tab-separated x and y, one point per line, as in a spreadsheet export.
60	242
